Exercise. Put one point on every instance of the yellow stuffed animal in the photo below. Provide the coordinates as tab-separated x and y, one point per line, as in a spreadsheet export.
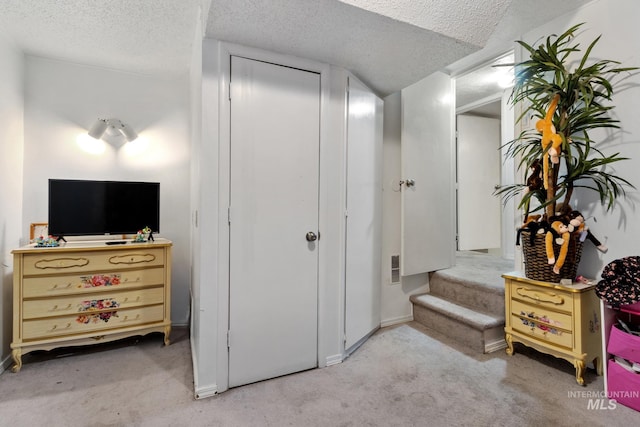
549	137
563	241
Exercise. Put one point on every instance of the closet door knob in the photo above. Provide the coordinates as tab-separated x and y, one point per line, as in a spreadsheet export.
311	236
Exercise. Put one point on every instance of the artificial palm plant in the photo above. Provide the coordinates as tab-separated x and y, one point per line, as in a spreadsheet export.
567	96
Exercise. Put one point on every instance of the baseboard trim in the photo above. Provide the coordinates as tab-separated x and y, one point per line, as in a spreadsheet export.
200	392
357	345
333	360
492	346
396	321
6	362
204	392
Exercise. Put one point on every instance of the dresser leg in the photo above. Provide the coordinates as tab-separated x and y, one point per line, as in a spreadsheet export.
580	368
167	332
597	363
509	340
16	354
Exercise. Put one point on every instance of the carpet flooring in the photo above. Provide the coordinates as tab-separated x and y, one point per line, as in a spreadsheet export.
404	375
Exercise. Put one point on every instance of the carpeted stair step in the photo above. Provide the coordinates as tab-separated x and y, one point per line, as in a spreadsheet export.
480	331
466	291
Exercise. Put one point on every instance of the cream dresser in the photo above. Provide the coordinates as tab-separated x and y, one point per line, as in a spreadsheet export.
89	292
563	321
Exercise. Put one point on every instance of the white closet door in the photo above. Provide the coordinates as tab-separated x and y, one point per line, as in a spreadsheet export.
273	291
479	225
364	212
428	210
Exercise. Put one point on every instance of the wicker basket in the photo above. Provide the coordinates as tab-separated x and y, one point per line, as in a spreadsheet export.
536	266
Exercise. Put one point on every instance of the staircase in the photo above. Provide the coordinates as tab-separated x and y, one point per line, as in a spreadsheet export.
467	301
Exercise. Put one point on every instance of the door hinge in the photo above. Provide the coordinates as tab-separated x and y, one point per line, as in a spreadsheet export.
229	91
229	215
228	339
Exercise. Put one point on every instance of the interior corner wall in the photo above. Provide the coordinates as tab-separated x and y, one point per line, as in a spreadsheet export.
205	249
11	171
396	306
617	23
196	330
62	100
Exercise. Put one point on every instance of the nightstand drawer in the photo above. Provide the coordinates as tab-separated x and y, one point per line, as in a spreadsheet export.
80	304
91	321
552	318
77	262
543	297
541	330
83	284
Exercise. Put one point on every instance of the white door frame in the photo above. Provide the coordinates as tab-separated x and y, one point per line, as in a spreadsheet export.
324	336
508	166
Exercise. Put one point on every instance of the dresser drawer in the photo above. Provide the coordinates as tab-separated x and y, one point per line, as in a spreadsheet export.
77	262
543	297
91	321
553	319
33	287
541	331
41	308
542	324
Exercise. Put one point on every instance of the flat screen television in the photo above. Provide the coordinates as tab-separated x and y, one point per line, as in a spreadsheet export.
85	208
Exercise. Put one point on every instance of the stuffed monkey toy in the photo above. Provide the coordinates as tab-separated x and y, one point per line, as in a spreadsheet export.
534	181
562	230
549	137
576	223
532	224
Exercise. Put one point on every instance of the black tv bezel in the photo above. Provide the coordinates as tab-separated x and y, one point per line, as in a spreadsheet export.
154	225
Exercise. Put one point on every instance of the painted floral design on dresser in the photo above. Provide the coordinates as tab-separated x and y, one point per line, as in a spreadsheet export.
541	322
98	280
88	308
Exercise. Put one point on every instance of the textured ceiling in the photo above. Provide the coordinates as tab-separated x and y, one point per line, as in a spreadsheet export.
468	21
146	36
389	44
385	52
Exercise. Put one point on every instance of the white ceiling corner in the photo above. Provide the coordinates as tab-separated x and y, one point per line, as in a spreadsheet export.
389	44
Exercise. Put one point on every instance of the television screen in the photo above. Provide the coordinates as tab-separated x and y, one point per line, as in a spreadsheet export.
82	207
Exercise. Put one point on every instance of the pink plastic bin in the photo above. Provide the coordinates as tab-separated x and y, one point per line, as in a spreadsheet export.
623	386
624	345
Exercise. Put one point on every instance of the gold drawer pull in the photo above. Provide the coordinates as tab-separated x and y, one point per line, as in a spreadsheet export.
551	298
127	299
55	327
61	263
132	259
98	337
126	318
55	308
126	279
55	287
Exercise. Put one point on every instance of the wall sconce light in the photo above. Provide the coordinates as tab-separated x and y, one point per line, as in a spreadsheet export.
111	130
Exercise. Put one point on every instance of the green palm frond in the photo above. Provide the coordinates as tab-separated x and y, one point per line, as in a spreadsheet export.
584	106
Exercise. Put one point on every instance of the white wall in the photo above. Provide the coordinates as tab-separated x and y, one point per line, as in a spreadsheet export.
62	100
11	164
617	23
395	296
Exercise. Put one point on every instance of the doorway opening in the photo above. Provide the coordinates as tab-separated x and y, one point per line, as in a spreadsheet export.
484	123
